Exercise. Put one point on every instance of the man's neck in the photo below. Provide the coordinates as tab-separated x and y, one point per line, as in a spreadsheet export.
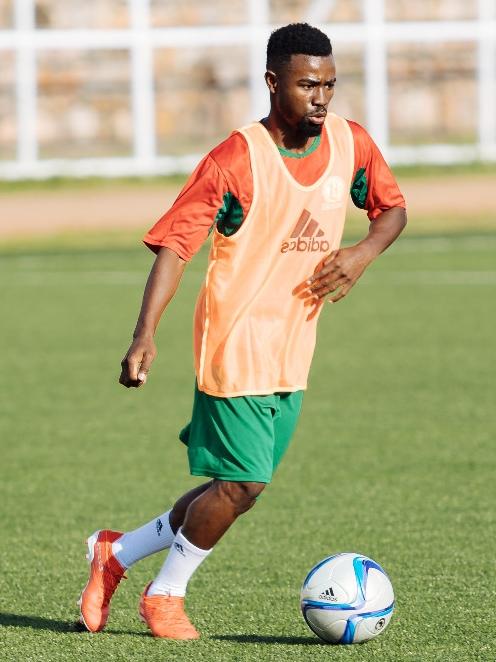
283	137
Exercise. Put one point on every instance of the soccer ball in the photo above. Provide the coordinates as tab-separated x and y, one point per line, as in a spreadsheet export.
347	599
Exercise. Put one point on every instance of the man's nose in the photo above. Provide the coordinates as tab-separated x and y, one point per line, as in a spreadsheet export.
319	97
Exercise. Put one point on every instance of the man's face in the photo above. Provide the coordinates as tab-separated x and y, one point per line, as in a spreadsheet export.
302	92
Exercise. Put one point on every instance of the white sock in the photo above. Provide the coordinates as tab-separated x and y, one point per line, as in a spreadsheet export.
183	559
148	539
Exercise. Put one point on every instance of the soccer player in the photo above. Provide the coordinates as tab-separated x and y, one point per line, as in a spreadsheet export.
273	196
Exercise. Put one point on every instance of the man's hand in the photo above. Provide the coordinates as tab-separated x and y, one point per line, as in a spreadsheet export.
160	287
136	364
335	274
339	271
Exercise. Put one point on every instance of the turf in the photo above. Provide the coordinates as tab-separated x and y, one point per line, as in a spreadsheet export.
393	457
465	169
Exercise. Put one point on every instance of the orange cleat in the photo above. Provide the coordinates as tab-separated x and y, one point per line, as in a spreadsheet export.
105	574
165	616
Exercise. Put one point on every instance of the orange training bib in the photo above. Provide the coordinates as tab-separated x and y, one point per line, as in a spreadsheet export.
251	336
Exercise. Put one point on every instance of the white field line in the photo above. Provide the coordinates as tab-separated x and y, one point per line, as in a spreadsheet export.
393	277
60	277
474	244
441	277
479	243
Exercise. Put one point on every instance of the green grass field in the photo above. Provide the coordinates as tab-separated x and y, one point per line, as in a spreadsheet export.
393	457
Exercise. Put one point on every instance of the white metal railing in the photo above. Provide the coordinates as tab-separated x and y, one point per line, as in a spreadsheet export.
141	39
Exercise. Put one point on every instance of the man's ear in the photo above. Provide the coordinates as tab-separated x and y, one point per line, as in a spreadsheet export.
271	81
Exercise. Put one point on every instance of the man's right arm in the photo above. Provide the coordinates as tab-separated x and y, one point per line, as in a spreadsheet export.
160	288
179	234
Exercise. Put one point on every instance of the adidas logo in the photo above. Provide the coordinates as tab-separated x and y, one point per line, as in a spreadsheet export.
305	237
328	594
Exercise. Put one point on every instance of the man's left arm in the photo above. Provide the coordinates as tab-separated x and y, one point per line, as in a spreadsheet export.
340	270
375	190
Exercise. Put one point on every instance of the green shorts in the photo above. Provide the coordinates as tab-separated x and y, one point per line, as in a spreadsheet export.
242	438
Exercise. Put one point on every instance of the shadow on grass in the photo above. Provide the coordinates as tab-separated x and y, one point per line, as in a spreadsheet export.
269	639
54	625
36	623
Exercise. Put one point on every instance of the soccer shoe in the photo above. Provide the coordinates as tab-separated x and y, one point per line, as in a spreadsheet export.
165	616
105	574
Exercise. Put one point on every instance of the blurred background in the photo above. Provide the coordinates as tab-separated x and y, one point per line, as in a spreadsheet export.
143	88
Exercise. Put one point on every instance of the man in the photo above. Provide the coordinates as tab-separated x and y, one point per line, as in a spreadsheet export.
274	196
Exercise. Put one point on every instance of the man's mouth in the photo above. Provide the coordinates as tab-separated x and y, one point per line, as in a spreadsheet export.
318	118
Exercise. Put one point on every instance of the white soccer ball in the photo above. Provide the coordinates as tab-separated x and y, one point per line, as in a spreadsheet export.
347	599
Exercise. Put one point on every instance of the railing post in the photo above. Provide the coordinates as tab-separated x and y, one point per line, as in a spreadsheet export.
486	79
259	19
376	75
142	85
26	84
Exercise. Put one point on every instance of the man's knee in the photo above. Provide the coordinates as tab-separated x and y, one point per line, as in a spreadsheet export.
242	494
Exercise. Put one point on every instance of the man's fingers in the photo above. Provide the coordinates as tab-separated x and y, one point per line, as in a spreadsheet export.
322	288
327	285
130	365
133	363
125	380
340	295
332	287
319	275
136	364
310	301
327	276
317	306
316	298
124	376
307	289
301	289
145	367
324	267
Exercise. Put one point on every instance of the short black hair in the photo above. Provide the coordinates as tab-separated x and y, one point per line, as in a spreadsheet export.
296	39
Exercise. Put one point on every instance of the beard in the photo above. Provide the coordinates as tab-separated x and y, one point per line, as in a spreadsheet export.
309	129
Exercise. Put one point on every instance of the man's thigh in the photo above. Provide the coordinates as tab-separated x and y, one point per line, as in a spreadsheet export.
285	421
232	439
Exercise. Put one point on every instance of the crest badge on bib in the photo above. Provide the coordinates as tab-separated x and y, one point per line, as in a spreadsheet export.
333	192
